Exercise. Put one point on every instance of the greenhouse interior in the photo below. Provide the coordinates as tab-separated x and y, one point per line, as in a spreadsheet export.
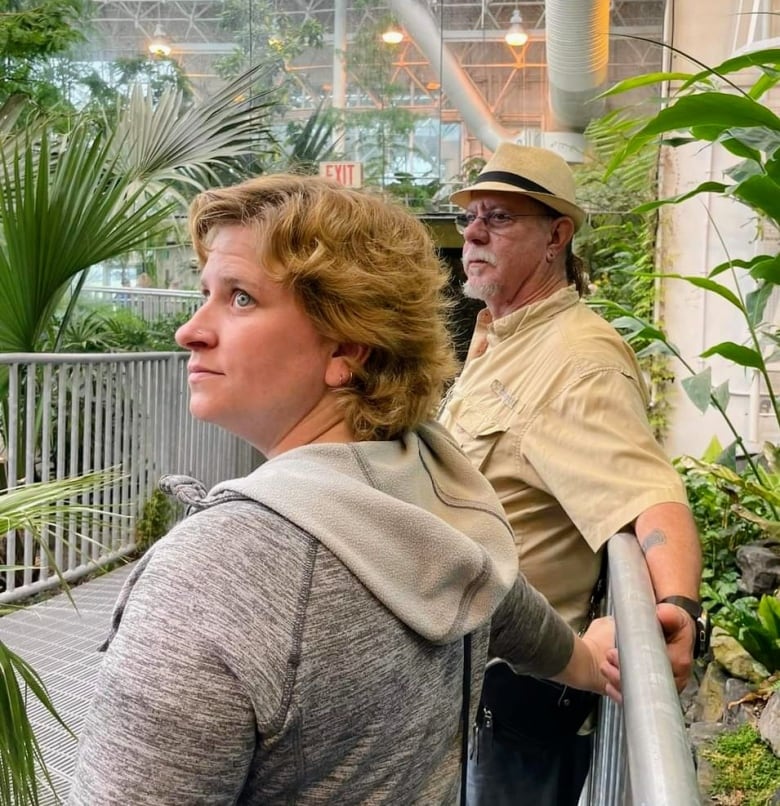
116	114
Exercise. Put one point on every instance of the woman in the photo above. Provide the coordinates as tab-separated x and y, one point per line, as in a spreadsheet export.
299	638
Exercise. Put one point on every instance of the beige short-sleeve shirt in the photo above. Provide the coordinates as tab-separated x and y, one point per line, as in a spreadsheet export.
550	406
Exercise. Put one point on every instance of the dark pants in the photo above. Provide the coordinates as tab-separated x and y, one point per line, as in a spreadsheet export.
534	775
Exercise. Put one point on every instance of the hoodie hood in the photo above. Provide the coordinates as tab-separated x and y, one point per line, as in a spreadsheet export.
410	518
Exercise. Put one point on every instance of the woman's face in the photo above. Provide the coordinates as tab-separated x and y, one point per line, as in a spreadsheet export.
257	367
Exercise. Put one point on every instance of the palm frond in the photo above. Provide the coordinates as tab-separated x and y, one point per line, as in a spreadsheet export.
171	141
22	765
63	208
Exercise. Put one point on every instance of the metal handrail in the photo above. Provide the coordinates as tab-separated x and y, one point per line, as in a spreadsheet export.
660	763
72	413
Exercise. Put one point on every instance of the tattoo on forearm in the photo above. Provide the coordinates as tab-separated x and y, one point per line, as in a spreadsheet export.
655	538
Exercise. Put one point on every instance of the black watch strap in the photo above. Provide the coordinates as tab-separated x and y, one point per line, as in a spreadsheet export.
701	623
690	606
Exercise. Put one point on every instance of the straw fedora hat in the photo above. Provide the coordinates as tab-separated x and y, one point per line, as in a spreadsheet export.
536	172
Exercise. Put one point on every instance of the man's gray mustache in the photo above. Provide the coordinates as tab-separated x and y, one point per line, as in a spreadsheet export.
479	254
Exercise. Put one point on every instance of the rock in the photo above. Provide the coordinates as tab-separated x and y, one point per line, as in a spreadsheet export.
769	723
760	566
705	775
744	712
711	696
702	733
689	695
735	659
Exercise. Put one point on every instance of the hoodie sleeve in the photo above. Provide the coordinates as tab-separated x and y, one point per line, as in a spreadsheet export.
528	634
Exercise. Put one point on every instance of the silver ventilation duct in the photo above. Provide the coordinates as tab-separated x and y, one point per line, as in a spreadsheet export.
577	57
417	19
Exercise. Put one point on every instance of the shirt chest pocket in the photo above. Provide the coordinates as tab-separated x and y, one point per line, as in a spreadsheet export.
478	429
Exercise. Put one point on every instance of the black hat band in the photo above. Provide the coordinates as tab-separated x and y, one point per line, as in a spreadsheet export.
513	179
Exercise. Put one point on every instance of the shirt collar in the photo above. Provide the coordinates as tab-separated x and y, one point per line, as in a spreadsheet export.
494	331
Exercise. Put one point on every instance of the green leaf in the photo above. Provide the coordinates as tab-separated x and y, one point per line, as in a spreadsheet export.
769	614
718	111
656	348
757	138
704	187
762	193
728	458
713	450
745	169
738	353
710	285
645	80
699	388
764	83
755	303
722	395
637	329
756	58
766	269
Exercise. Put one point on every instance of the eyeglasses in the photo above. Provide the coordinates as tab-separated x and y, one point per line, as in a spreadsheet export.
495	220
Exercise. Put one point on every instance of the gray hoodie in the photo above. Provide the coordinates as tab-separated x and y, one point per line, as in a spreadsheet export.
298	638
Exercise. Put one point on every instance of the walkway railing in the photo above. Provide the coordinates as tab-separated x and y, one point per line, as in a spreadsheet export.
150	304
648	732
68	414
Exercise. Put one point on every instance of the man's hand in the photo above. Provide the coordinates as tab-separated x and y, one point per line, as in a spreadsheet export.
679	634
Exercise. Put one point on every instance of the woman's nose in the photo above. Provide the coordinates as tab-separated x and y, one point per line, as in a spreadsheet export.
195	332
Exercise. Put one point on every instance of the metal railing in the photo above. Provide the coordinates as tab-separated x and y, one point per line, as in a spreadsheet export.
150	304
68	414
642	754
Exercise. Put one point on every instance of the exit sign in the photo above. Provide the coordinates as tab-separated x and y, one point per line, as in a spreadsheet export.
349	174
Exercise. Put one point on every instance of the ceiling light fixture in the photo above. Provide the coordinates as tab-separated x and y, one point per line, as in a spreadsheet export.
393	35
516	36
160	44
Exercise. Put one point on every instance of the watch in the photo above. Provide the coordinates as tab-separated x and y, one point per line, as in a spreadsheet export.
701	624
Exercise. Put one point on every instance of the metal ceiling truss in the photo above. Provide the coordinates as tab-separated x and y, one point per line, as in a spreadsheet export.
512	81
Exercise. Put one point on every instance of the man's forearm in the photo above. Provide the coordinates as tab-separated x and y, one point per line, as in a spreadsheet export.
669	540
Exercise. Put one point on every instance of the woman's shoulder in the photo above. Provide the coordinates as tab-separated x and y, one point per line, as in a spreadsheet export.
229	546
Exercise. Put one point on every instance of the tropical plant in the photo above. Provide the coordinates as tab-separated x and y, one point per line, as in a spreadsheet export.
308	143
70	201
157	514
709	108
30	34
67	203
266	38
34	507
757	630
617	244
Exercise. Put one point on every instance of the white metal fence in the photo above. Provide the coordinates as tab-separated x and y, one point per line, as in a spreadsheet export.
150	304
67	414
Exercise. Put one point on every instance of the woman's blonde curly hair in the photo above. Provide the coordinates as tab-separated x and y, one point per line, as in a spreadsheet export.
366	272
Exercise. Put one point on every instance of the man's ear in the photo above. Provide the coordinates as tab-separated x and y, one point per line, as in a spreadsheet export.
561	233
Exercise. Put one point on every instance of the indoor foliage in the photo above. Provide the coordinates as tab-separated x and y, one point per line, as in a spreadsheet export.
709	108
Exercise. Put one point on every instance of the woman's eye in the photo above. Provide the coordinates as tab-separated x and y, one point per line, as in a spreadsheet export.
242	299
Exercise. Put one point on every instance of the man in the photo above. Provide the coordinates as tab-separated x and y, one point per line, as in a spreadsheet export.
550	406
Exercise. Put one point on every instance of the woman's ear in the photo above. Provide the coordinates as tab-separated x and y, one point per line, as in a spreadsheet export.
339	372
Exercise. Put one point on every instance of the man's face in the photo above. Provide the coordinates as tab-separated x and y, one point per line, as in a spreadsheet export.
502	255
